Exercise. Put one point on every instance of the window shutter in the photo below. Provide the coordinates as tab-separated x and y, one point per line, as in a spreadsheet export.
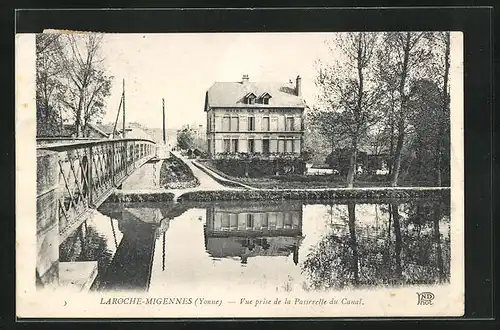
274	123
243	144
281	123
258	145
243	122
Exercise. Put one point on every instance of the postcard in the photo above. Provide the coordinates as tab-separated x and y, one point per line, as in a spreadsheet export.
239	175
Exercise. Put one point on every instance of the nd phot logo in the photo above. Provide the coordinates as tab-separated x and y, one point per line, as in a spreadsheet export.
425	298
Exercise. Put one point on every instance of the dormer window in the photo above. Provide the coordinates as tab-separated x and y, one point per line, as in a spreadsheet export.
264	98
250	98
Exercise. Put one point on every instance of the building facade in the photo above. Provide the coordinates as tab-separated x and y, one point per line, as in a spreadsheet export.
261	118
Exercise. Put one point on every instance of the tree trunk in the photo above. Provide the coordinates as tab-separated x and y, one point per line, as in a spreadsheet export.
351	209
397	157
352	164
402	111
398	242
437	240
444	109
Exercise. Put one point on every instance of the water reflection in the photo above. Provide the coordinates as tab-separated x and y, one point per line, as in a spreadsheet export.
406	247
95	240
276	246
245	231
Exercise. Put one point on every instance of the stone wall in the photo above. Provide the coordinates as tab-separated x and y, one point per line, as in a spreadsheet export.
47	227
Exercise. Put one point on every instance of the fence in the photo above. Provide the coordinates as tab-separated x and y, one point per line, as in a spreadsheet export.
88	171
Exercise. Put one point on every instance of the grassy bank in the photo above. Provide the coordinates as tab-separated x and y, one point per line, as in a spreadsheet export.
174	174
327	194
139	197
309	181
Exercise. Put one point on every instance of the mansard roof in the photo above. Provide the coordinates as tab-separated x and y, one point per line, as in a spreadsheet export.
233	94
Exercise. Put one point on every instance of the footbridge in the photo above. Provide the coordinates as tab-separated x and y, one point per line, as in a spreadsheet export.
73	177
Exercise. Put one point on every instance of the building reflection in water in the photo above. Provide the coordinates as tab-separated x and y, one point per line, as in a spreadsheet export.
245	231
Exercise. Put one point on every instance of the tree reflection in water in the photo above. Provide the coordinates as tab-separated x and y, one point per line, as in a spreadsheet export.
403	245
86	244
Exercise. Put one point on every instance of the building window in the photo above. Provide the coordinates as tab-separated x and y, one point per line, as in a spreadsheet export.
227	145
251	99
264	98
281	123
289	124
233	221
226	123
230	123
234	145
251	145
289	145
225	221
251	123
265	146
285	144
234	124
249	220
265	124
265	222
287	220
281	144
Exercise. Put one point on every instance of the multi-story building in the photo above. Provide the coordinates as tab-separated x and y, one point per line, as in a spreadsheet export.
261	118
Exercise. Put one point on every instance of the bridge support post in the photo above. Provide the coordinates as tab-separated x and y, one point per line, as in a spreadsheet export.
47	222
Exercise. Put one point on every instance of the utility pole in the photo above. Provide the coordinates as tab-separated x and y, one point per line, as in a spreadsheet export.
164	129
123	96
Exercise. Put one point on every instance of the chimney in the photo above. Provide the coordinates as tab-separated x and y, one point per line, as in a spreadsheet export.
298	86
245	78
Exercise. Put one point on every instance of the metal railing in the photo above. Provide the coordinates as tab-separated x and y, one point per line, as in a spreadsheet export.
90	170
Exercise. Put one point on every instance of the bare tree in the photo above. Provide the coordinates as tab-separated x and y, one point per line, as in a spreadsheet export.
49	70
349	96
403	59
87	85
441	75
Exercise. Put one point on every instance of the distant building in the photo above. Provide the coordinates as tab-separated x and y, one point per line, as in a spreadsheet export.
96	131
264	118
136	131
99	130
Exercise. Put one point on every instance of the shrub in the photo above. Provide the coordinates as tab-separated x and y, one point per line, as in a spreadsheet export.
249	166
327	194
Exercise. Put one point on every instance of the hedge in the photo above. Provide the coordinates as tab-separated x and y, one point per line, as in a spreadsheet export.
327	194
256	167
132	197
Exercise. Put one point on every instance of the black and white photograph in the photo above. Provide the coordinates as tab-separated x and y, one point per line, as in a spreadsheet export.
242	174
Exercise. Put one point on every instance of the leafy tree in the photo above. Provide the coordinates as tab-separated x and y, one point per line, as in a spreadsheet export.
185	139
426	120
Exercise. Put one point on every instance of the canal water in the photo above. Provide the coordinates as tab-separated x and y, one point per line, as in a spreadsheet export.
289	246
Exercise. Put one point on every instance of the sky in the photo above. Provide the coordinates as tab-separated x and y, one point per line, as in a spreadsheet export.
181	67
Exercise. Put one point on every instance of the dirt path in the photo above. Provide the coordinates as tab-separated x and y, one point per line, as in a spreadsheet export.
206	182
